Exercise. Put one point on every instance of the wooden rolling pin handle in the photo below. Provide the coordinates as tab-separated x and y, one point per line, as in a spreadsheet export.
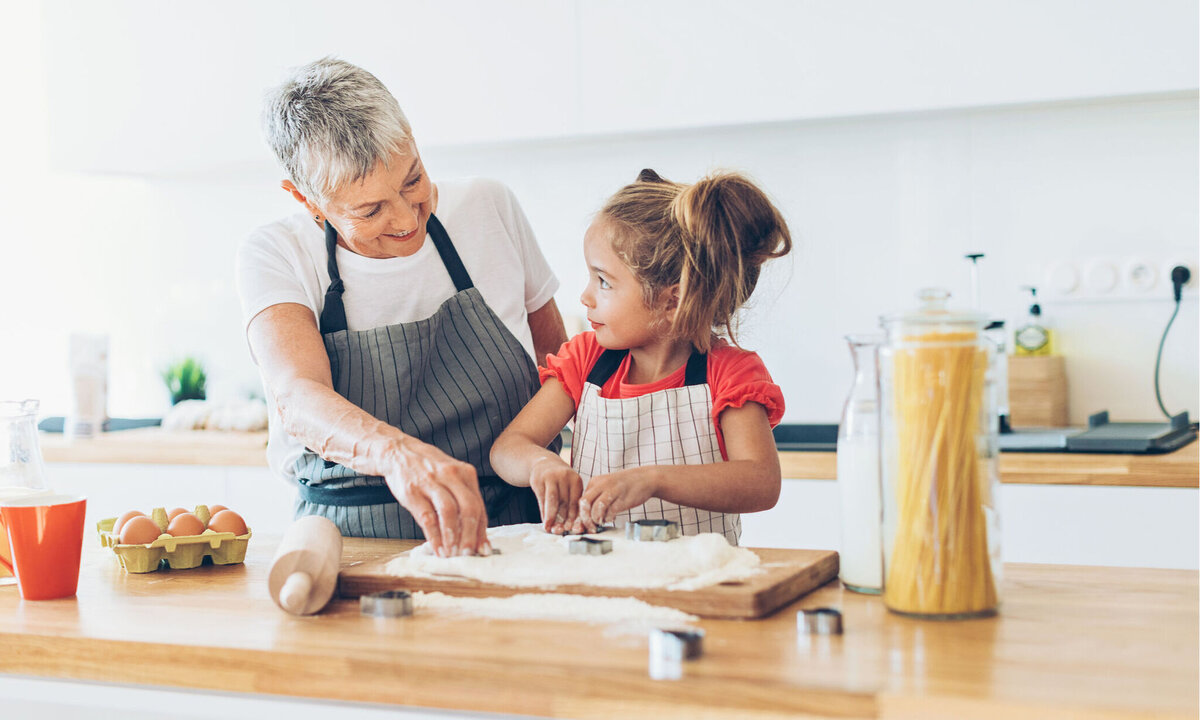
304	573
293	596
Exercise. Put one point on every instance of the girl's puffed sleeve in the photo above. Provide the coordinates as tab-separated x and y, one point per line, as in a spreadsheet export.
737	377
571	364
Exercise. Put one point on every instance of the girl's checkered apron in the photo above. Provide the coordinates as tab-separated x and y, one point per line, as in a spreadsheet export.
453	380
668	427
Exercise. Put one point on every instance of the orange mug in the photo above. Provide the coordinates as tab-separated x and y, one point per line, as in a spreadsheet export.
45	537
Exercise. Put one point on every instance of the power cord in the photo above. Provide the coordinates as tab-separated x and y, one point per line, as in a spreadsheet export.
1179	277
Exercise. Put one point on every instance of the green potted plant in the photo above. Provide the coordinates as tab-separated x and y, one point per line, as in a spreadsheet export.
185	380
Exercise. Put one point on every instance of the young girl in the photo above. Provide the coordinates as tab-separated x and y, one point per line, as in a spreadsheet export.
670	421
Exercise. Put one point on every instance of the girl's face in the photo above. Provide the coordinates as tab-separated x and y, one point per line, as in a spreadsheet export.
384	214
616	308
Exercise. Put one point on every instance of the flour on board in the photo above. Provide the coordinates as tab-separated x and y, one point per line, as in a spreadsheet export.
531	557
553	607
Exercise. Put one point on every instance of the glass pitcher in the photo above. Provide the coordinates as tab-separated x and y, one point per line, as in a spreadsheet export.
22	472
861	555
938	422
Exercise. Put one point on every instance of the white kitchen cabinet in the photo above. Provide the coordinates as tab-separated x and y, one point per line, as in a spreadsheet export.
135	86
1061	524
677	63
144	87
24	698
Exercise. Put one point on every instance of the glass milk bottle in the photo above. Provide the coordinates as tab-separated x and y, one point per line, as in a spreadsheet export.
861	556
938	423
21	470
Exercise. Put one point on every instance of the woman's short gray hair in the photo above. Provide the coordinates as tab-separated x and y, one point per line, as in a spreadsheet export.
330	123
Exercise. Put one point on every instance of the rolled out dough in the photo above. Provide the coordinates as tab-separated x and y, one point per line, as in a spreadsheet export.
531	557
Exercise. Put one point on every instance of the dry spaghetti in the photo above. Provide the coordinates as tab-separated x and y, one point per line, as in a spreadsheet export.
940	562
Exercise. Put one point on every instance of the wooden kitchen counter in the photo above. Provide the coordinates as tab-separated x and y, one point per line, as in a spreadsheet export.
1177	469
1070	642
154	445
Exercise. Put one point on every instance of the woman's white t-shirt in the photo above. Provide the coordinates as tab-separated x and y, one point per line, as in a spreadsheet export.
286	262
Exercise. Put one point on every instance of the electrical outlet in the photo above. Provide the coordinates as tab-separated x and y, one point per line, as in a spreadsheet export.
1062	279
1100	277
1189	288
1112	279
1140	275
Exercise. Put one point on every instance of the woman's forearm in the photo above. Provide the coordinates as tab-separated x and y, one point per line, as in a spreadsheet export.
336	429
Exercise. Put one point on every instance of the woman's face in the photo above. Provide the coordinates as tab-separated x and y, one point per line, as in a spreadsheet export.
384	214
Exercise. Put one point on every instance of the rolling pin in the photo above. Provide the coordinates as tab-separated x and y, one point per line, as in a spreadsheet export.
304	571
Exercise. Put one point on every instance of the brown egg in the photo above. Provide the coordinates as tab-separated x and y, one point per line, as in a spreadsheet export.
185	523
227	521
124	519
139	530
214	509
175	513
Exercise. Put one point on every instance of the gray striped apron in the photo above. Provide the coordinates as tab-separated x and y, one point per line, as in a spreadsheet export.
453	380
667	427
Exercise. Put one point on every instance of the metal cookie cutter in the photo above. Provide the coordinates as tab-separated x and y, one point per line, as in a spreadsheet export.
652	529
819	621
670	648
677	643
388	603
599	529
589	546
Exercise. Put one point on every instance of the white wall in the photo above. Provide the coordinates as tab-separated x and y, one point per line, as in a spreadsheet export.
881	203
884	205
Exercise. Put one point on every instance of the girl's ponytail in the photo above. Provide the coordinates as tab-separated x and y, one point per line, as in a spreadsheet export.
729	228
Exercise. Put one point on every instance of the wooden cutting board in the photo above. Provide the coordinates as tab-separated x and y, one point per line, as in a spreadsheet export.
789	574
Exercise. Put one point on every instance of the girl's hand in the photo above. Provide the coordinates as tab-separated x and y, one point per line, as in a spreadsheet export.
607	495
443	496
557	487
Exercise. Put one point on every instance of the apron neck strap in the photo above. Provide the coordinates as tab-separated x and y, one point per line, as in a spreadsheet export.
609	360
333	314
697	369
445	248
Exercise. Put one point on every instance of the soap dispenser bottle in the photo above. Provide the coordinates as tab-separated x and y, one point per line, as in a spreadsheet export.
1033	335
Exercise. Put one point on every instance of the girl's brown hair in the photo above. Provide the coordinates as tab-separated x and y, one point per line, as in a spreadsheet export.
711	238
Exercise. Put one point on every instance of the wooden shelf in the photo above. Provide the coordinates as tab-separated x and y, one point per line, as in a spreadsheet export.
160	447
1069	642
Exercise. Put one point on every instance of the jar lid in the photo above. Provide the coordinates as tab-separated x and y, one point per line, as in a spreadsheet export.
933	310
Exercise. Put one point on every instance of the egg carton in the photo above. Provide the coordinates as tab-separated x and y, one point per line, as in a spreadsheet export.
178	553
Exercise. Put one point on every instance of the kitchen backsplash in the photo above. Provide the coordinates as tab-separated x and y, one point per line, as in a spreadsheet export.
880	206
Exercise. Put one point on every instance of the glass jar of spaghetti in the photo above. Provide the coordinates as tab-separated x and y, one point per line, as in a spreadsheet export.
938	425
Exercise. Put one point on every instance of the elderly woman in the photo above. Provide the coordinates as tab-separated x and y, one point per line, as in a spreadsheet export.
394	321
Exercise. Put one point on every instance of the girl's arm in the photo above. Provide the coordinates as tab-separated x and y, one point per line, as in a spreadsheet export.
521	458
748	482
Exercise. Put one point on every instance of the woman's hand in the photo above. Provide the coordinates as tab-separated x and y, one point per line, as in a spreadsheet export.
558	488
443	496
607	495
